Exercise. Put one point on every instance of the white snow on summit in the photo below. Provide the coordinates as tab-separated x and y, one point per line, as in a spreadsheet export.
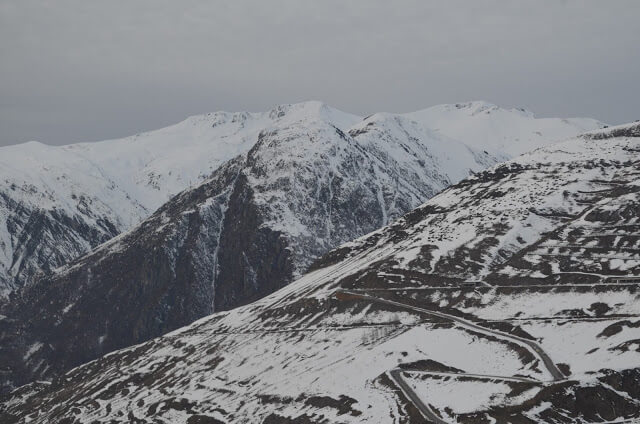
58	202
486	126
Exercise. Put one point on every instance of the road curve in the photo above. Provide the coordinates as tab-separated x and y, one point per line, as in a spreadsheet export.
425	410
532	346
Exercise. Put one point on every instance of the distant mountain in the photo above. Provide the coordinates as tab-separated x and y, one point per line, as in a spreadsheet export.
485	126
57	203
511	296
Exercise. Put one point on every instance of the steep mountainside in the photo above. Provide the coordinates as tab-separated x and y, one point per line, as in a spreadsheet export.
495	301
57	203
251	229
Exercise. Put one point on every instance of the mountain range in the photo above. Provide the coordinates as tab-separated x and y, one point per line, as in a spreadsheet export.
59	202
314	178
511	296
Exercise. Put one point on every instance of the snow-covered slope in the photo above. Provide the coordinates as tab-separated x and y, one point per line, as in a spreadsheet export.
485	126
58	202
414	321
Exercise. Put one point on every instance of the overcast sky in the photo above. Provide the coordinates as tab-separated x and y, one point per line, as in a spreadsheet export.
88	70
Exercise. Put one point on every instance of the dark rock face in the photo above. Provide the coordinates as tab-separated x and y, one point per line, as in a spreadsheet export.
253	261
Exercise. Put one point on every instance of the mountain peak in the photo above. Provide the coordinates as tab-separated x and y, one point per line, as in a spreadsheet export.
313	110
477	106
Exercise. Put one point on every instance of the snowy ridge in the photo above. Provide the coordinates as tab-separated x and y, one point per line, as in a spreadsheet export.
486	126
56	203
413	310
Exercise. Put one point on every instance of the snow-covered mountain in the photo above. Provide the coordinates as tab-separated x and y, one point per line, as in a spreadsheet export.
508	297
256	225
57	203
485	126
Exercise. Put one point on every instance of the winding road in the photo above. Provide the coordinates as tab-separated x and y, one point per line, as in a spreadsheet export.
530	345
425	410
396	374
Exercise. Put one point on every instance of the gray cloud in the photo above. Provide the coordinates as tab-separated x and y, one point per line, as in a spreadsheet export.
76	70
